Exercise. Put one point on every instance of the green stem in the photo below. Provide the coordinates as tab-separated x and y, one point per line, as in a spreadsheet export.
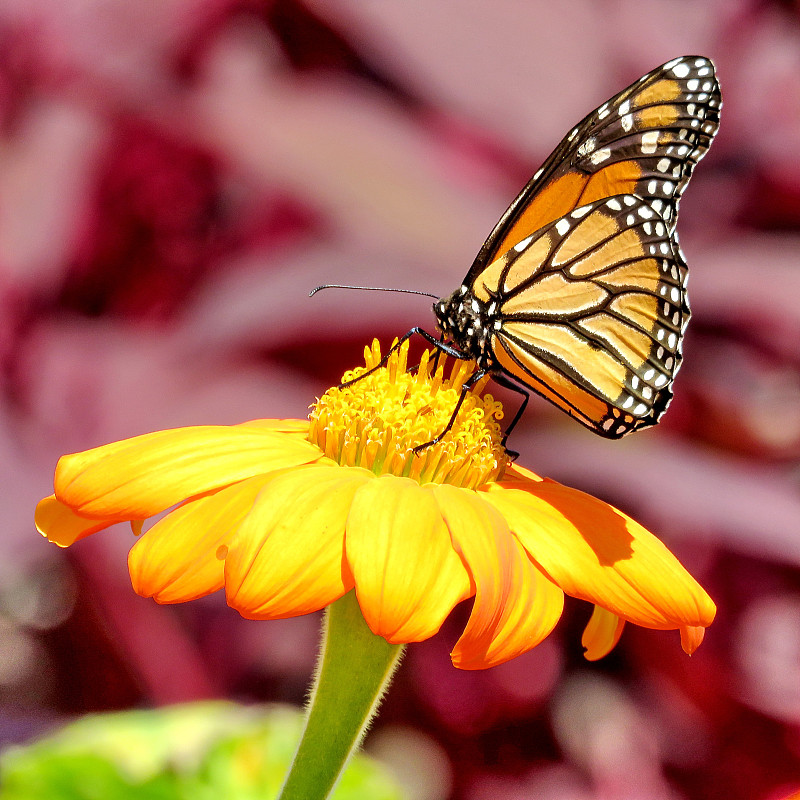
354	670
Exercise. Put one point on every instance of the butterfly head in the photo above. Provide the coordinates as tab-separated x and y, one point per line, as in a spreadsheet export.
466	321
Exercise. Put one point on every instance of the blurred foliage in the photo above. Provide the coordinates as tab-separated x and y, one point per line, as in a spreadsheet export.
199	751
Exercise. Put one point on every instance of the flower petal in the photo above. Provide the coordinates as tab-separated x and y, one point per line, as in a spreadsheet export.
287	557
61	525
602	633
182	556
293	427
408	576
691	638
142	476
597	553
516	606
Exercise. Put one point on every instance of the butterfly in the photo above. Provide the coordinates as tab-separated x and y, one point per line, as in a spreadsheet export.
579	293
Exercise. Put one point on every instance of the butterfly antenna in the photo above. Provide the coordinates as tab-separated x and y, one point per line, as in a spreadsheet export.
370	289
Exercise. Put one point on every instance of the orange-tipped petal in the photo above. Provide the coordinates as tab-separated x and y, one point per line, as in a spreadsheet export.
287	557
601	634
691	638
142	476
597	553
61	525
516	606
182	556
408	576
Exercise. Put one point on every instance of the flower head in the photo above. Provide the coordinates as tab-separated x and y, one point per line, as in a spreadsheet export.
289	515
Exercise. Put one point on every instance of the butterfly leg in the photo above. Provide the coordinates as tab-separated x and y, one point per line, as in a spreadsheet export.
500	379
432	340
465	387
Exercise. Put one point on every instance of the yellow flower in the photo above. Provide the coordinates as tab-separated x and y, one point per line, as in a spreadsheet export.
289	515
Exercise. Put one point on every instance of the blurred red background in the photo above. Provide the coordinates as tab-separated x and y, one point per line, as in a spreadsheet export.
176	176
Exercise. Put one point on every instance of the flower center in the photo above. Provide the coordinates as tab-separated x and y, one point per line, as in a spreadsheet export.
377	421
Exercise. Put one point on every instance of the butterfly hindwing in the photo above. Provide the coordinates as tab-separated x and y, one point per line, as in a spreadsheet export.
590	313
644	141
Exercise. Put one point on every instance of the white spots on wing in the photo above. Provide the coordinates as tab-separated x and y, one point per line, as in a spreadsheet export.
648	376
675	294
647	393
519	247
603	111
680	70
692	85
629	401
580	212
640	410
629	200
572	134
663	165
668	187
664	248
624	107
538	173
614	204
562	226
656	204
635	382
661	380
587	146
648	228
627	122
661	229
649	142
475	306
630	220
645	212
599	156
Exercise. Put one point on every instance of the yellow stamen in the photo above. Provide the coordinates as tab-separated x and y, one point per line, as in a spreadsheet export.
377	421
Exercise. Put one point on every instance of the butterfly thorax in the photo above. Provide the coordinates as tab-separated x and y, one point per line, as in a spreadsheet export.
467	322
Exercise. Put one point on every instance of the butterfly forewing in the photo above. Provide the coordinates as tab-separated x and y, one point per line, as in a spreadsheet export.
591	311
645	141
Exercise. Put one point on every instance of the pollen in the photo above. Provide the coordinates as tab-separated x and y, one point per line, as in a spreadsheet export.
378	420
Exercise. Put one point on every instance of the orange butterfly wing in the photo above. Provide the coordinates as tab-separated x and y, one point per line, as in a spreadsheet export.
644	141
591	312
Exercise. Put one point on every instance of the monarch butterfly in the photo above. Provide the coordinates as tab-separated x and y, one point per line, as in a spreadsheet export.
579	293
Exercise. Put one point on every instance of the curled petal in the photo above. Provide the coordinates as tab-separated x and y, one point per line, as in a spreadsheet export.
597	553
691	638
287	557
182	556
516	606
407	575
139	477
61	525
601	634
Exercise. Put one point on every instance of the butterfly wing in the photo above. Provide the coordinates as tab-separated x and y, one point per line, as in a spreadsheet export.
591	310
644	141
